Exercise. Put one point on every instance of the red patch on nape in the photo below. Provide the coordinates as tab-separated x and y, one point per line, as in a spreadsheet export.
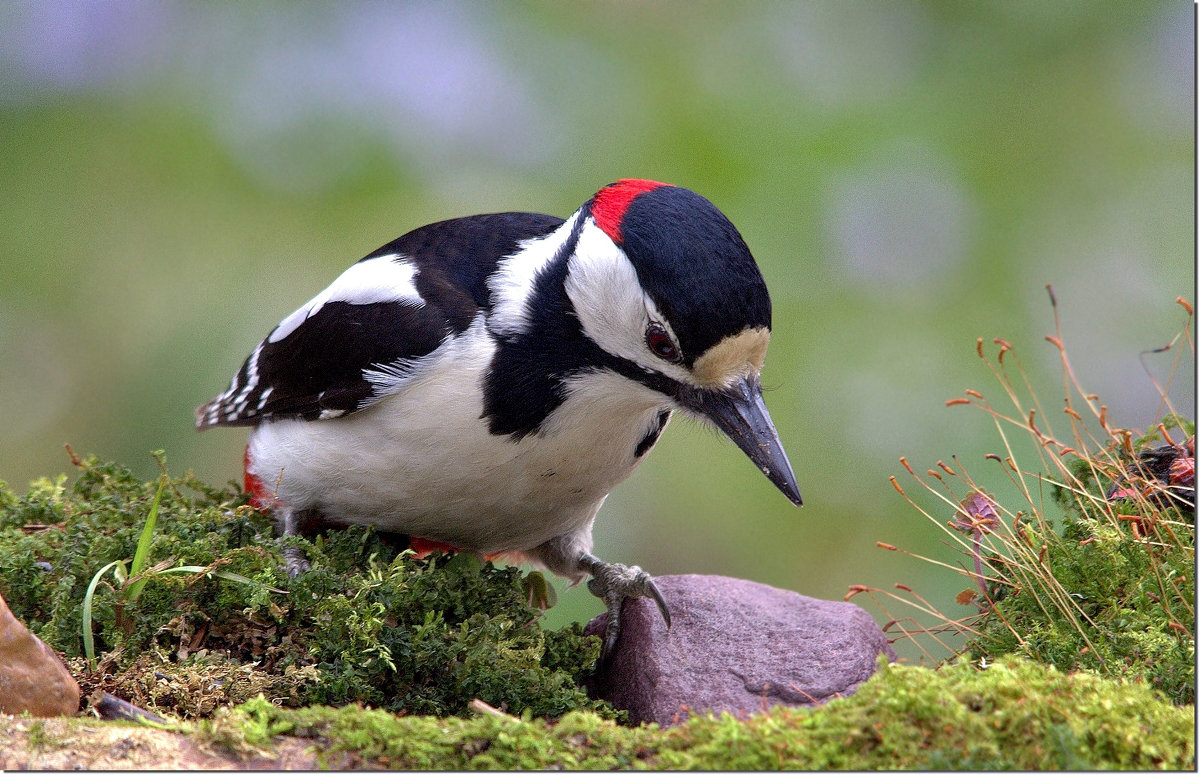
260	498
611	202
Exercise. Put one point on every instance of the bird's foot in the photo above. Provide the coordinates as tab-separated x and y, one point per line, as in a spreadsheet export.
613	583
294	561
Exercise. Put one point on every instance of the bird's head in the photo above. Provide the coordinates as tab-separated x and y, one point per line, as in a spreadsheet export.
662	282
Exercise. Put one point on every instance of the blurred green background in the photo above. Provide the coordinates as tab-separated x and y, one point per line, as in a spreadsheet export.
177	177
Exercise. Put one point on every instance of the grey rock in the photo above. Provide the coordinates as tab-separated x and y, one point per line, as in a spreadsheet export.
736	646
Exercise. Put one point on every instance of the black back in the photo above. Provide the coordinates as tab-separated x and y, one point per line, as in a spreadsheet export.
321	365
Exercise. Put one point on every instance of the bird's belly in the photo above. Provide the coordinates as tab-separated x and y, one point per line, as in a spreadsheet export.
438	473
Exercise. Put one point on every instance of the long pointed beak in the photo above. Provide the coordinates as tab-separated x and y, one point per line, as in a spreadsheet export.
742	415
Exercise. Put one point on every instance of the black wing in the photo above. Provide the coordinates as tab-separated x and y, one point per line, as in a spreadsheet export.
392	307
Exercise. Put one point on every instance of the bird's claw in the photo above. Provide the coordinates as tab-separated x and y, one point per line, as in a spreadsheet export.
613	583
652	588
294	561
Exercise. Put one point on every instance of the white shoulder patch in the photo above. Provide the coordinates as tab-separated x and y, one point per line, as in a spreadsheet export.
512	282
385	278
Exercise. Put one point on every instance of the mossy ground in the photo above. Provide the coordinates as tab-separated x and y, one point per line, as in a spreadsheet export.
368	624
1013	715
1131	575
1087	561
373	657
1119	584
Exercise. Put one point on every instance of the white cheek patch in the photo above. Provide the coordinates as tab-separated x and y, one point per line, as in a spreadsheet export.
613	309
381	279
515	277
614	312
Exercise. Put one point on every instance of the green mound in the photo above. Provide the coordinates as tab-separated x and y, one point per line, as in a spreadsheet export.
1014	715
367	625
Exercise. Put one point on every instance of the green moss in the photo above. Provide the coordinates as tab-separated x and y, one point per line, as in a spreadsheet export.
368	624
1135	591
1014	715
36	734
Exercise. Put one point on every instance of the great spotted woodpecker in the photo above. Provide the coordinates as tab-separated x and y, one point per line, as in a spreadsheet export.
484	382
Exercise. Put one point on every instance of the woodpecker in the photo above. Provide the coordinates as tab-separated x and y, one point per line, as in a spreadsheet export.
484	382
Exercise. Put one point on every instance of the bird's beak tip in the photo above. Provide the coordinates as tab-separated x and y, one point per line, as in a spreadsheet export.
743	417
783	478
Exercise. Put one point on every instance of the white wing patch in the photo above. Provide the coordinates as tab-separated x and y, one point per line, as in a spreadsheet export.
468	354
385	278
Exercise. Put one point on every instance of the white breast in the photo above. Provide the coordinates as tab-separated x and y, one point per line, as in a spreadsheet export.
421	461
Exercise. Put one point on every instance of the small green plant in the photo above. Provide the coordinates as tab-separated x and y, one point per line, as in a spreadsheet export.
1088	560
132	580
206	627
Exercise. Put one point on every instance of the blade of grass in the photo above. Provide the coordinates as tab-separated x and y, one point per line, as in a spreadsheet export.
143	545
224	574
89	645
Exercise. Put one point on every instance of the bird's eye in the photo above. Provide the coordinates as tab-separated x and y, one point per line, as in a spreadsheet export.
659	342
